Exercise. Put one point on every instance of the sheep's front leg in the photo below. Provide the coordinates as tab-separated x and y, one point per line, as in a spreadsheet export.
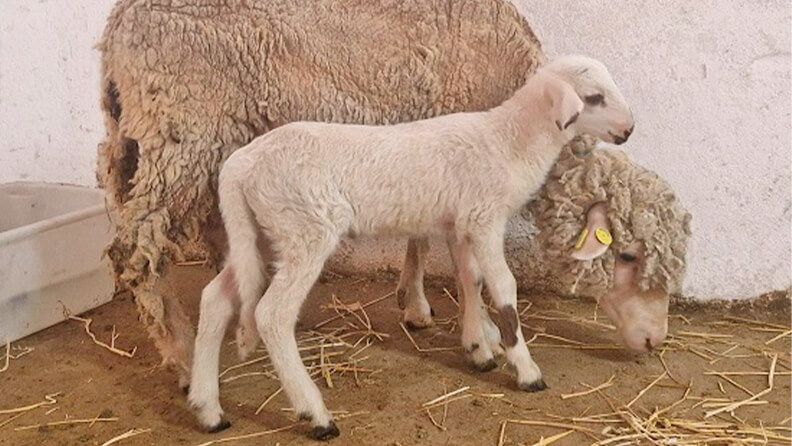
410	292
480	337
488	250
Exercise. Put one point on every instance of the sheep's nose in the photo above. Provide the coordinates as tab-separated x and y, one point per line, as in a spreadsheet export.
625	137
649	345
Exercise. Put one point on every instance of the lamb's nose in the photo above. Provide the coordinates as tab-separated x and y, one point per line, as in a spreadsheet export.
648	345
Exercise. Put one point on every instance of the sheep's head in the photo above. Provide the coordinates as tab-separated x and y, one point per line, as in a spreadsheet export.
586	100
637	258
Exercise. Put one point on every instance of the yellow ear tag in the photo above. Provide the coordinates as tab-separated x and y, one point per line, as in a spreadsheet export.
603	236
582	239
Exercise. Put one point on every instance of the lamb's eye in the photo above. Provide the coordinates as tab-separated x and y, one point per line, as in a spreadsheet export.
595	99
627	257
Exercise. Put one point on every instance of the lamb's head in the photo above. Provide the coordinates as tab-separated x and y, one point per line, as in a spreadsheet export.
596	107
615	231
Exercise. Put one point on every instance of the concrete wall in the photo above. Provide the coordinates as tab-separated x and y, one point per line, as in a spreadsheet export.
709	82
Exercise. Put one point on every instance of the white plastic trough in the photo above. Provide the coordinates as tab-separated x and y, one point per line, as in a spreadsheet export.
51	242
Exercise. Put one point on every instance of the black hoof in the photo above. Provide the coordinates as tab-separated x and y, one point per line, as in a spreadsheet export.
325	433
304	416
412	327
487	366
536	386
219	427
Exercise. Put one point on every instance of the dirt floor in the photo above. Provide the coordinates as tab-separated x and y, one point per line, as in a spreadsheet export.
61	376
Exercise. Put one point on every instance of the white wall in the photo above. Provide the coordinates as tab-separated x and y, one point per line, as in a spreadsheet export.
50	123
709	82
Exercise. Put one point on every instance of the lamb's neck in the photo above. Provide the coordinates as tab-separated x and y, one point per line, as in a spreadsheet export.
533	141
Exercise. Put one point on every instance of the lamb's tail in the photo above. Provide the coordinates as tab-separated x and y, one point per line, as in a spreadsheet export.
244	257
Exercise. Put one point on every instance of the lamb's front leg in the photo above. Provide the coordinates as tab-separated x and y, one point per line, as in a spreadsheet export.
480	337
488	250
410	292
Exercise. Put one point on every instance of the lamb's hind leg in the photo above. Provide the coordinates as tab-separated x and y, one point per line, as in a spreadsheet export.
276	318
488	249
410	292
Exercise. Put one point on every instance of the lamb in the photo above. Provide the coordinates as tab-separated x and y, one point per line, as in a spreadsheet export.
185	83
632	277
306	185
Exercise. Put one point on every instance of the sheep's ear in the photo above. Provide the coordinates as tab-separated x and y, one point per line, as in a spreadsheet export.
566	104
596	238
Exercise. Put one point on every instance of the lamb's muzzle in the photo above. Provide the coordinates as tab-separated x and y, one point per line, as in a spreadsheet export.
305	185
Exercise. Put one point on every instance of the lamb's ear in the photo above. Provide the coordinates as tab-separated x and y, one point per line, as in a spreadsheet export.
566	104
595	239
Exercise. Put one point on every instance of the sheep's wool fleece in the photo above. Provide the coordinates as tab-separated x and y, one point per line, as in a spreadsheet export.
642	207
186	82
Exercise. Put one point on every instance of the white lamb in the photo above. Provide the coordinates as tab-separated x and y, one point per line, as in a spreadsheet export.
306	185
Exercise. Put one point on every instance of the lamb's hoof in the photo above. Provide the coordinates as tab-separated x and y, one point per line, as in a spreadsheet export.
487	365
325	433
536	386
219	427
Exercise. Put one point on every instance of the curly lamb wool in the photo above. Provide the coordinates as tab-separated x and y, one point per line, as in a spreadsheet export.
642	207
186	82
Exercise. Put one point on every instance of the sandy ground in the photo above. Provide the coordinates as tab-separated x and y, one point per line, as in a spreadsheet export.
382	405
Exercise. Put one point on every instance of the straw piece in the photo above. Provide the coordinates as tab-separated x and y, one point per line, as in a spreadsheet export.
49	400
269	398
246	436
755	322
604	385
732	382
447	293
366	305
502	433
434	422
733	406
111	347
128	434
68	422
645	389
545	441
782	335
445	396
696	334
424	350
553	424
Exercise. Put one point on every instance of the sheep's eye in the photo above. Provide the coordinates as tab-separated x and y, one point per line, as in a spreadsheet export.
595	99
627	257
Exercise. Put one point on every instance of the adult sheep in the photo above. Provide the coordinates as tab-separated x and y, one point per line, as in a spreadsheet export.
186	82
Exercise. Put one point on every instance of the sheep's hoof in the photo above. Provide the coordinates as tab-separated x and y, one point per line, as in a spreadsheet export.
412	326
487	365
219	427
325	433
536	386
